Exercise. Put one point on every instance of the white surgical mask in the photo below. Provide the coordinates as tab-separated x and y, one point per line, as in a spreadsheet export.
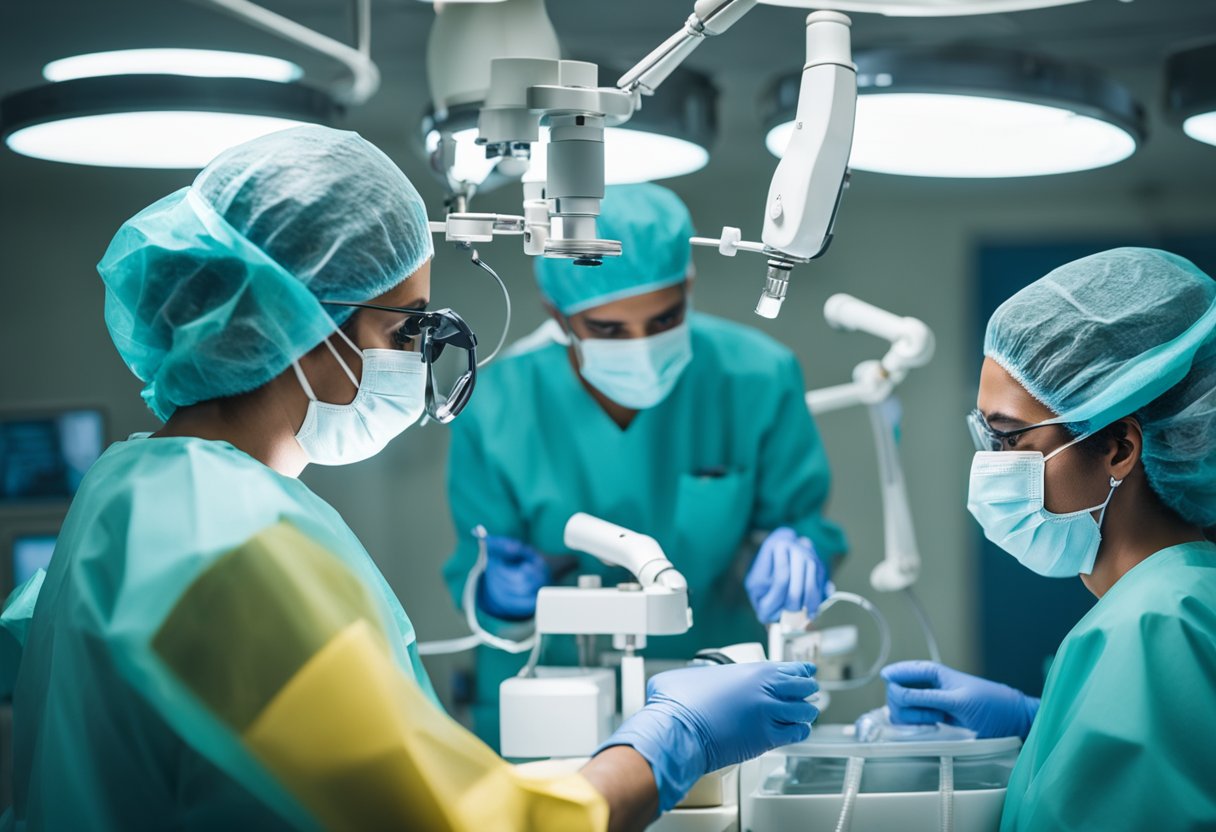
635	372
1006	497
391	396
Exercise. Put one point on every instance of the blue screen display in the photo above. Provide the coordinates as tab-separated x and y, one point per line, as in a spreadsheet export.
45	457
31	553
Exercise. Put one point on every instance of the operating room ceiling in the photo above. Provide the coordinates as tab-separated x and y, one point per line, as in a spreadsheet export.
1128	40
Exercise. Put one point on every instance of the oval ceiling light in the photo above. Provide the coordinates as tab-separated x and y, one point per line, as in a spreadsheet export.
1190	91
153	121
922	8
197	63
668	136
970	113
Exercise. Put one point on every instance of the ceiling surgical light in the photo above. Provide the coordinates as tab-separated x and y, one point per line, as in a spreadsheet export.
922	8
153	121
970	113
197	63
1190	96
179	108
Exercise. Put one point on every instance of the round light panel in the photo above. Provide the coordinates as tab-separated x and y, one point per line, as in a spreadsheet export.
1190	96
967	114
922	8
153	121
197	63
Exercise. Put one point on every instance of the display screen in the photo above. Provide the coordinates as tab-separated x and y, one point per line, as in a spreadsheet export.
44	457
31	553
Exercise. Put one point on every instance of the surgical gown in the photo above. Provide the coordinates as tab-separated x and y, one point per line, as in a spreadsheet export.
212	648
730	451
1125	737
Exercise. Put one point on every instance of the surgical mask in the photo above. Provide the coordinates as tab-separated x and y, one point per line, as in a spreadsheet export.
391	396
635	372
1006	497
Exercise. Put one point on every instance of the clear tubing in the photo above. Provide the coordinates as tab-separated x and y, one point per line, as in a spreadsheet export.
884	634
946	785
852	785
480	635
922	618
506	297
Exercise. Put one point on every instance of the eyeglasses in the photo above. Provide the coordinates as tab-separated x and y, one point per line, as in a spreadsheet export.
988	438
450	380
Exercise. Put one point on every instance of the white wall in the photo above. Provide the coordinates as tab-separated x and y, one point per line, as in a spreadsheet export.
906	246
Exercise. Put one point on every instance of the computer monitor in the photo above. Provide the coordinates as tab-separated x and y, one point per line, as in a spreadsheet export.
44	456
31	552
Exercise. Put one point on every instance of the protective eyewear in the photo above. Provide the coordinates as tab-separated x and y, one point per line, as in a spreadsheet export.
451	373
988	438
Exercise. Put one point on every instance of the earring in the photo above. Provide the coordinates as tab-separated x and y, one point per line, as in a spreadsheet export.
1114	483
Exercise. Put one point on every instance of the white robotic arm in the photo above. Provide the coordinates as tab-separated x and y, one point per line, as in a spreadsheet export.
560	213
807	186
873	384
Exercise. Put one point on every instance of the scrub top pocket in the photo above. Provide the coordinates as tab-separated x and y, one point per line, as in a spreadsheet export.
712	515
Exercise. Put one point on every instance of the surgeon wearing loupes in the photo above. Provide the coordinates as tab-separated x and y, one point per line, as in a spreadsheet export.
631	406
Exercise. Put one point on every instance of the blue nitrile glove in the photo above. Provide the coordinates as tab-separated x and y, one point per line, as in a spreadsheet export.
699	719
920	693
787	574
515	572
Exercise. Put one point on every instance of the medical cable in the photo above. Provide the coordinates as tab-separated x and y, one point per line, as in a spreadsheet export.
480	635
852	785
529	668
506	296
946	786
922	618
884	634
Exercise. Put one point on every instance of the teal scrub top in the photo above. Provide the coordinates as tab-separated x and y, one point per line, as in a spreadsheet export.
106	738
731	450
1125	737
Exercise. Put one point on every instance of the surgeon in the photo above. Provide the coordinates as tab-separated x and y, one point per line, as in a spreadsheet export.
1096	438
630	406
212	648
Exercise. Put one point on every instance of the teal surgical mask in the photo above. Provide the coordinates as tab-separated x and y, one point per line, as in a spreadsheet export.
637	373
1006	497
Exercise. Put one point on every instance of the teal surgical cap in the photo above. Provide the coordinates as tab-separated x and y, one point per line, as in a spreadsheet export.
1127	332
653	226
215	289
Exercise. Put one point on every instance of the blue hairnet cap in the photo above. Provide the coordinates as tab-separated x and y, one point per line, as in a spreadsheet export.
1131	331
214	290
653	226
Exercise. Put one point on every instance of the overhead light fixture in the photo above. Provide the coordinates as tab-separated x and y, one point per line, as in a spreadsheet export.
922	8
153	121
972	113
179	108
669	136
1190	91
197	63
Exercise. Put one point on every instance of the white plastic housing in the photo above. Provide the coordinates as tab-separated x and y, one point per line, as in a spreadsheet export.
466	37
805	188
657	611
561	712
640	554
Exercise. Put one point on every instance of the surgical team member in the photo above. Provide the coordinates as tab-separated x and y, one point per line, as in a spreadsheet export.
629	406
212	648
1096	430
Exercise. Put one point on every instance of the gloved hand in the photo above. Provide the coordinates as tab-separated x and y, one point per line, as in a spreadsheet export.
920	693
699	719
515	572
787	574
